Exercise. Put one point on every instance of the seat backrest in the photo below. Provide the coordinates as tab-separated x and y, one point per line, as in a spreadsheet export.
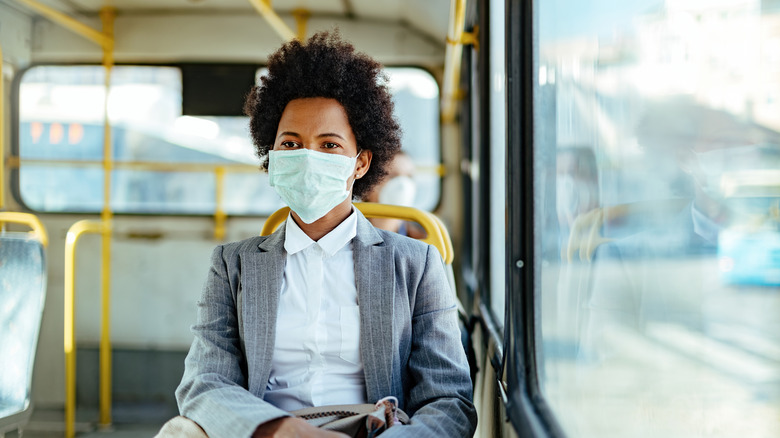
436	233
22	295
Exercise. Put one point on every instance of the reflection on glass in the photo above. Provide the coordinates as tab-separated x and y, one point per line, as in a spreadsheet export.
661	217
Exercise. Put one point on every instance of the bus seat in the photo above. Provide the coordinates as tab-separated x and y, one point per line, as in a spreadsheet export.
434	229
22	295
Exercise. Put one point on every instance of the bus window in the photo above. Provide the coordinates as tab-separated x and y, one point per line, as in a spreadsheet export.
497	178
658	180
167	162
416	97
164	161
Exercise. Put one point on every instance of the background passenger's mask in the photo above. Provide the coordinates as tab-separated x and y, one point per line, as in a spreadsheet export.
400	190
310	183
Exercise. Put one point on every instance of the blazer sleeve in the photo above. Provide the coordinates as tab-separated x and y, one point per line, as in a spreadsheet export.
440	399
213	389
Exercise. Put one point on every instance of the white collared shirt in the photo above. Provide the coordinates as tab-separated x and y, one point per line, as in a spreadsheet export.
316	358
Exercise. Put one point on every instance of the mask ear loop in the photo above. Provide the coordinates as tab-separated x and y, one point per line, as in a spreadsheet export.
357	175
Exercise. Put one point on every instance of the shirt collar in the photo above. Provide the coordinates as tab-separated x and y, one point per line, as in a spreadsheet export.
296	240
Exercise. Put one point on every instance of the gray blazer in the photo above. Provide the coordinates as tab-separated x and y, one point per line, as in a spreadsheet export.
409	337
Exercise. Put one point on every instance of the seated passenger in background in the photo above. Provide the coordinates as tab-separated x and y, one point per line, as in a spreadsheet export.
398	188
328	309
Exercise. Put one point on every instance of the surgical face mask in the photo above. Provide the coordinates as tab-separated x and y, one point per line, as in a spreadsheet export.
310	183
399	190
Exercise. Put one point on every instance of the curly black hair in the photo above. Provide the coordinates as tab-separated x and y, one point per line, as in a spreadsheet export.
326	66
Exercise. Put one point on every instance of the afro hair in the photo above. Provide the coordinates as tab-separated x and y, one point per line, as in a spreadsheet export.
326	66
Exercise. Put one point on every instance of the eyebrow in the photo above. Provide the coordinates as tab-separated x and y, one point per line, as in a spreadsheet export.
325	134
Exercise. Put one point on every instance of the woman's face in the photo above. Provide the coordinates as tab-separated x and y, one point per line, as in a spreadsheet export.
320	124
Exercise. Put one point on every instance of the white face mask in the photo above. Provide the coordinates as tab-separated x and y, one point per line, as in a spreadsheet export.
310	183
399	190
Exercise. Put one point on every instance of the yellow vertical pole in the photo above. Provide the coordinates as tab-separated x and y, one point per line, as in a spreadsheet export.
219	211
301	20
107	16
72	237
2	134
70	336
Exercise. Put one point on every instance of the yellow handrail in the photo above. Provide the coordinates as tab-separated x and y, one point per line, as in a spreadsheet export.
15	161
281	28
452	59
446	238
107	17
301	16
71	24
219	211
431	225
75	231
32	221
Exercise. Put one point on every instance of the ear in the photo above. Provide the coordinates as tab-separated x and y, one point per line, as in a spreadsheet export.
363	163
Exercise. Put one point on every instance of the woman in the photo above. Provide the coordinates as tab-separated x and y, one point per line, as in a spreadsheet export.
328	309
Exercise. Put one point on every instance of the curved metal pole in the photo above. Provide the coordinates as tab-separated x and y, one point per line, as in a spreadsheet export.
32	221
75	231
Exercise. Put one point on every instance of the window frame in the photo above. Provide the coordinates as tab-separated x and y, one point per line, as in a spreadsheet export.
14	170
525	404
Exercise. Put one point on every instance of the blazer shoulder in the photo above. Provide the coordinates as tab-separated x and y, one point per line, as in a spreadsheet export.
404	245
242	246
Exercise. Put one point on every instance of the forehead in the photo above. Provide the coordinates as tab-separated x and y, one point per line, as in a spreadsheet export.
315	115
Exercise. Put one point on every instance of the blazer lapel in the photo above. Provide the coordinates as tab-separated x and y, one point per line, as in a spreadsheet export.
375	280
261	278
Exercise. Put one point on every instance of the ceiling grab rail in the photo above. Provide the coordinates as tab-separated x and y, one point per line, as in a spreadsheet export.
100	38
274	20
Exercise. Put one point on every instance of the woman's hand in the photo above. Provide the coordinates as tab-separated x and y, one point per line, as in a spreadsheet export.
291	427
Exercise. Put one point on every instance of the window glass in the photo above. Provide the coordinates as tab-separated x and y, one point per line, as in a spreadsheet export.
659	177
497	177
166	162
416	97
